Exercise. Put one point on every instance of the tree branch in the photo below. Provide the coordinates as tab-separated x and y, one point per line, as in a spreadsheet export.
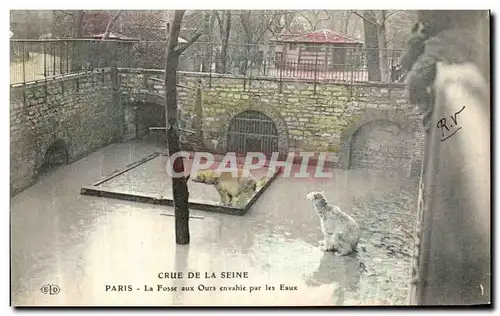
307	19
219	20
319	20
266	28
66	12
179	50
368	20
220	23
111	24
392	13
245	28
192	18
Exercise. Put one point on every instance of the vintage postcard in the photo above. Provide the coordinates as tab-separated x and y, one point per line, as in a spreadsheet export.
249	157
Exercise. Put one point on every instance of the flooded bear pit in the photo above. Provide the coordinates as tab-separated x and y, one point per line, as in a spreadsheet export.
149	181
83	243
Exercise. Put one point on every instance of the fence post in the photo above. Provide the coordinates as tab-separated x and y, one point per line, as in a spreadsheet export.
145	63
78	81
102	49
266	53
24	72
315	72
67	57
252	64
53	51
24	61
44	61
281	74
61	54
391	75
351	79
210	67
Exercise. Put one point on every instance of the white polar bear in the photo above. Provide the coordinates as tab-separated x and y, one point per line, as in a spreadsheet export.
341	232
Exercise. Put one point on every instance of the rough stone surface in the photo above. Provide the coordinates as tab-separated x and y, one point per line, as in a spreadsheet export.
325	118
95	109
79	111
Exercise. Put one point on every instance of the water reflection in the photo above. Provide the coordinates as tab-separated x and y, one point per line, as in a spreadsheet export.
344	272
181	262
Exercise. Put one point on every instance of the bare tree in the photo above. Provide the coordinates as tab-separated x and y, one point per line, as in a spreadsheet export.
224	22
346	17
374	24
110	25
77	17
284	22
315	17
208	23
78	23
382	45
179	184
370	28
254	24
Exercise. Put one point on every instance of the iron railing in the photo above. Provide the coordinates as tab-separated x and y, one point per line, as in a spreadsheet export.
39	59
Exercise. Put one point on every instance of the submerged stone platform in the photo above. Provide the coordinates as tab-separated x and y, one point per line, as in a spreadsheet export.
147	181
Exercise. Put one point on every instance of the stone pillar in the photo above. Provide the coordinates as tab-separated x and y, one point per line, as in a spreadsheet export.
130	131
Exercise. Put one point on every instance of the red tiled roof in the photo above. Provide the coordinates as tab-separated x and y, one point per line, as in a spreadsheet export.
321	36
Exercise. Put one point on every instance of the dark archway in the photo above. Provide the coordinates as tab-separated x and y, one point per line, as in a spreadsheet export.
252	131
55	155
409	127
381	145
150	115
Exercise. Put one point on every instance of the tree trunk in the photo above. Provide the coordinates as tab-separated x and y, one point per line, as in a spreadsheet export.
371	45
76	58
384	66
346	22
225	40
78	24
179	184
207	47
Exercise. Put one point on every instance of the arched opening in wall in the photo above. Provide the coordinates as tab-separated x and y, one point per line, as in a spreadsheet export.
252	131
381	145
147	116
56	155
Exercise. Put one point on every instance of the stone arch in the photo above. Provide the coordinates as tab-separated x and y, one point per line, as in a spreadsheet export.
399	118
142	100
261	134
266	110
53	153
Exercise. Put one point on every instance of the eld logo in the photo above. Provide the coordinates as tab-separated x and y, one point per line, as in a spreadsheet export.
50	289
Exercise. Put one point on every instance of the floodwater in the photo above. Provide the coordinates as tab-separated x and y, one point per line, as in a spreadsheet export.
159	182
100	251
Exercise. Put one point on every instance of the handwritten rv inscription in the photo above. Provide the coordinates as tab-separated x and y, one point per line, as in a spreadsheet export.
449	128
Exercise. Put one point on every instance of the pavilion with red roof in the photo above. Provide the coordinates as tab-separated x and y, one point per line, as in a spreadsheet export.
322	50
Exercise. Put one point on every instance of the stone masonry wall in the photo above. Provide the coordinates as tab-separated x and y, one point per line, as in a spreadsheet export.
88	111
79	110
308	118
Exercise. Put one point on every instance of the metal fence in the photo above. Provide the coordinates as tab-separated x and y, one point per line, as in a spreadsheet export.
41	59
